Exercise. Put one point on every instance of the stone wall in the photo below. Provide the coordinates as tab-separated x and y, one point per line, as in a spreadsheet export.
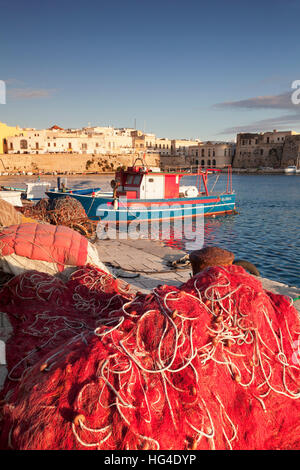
171	160
291	151
73	163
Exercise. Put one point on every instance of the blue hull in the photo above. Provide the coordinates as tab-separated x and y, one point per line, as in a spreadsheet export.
86	191
151	209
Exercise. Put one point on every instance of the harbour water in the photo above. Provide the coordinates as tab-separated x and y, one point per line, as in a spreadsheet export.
266	230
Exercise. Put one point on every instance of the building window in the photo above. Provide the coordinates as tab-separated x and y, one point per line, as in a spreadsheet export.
202	152
214	162
11	146
202	162
208	162
48	144
84	146
23	144
225	152
261	151
268	140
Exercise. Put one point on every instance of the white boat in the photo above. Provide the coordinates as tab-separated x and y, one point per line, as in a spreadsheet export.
34	191
292	169
37	190
13	197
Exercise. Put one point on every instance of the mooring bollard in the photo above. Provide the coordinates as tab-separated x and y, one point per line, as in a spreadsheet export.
210	256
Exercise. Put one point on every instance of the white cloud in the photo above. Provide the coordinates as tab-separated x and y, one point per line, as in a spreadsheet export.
284	122
29	93
282	101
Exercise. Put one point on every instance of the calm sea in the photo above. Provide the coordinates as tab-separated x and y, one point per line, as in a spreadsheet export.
266	230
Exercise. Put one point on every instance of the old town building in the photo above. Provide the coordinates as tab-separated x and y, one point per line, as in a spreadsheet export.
211	154
268	149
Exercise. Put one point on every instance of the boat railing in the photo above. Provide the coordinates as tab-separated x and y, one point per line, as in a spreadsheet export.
192	169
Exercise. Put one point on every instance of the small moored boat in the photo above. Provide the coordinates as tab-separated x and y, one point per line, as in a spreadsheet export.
290	169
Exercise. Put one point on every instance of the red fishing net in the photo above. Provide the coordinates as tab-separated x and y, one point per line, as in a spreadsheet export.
45	313
211	365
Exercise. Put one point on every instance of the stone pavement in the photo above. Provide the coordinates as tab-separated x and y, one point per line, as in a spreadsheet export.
142	257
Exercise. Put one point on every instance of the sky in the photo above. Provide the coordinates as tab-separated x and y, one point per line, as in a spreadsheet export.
179	69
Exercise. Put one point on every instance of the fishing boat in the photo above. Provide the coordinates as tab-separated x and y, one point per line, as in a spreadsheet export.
36	190
141	194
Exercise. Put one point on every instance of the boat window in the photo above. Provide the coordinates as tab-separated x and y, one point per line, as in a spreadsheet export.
136	180
151	180
129	179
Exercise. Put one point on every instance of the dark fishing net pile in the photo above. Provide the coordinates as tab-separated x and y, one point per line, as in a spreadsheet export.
66	211
213	364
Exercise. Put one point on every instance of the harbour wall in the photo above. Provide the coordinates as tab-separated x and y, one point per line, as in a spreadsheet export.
79	163
72	163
